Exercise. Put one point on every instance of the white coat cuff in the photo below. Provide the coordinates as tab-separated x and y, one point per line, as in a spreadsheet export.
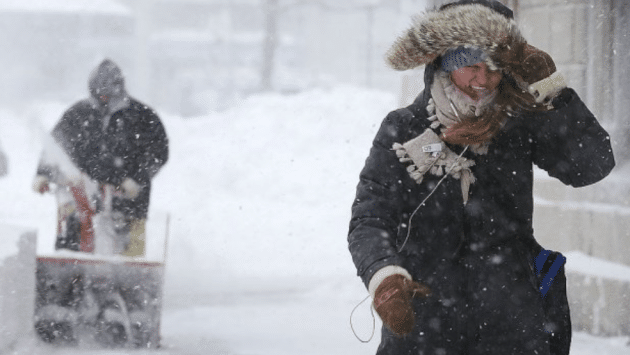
547	88
383	273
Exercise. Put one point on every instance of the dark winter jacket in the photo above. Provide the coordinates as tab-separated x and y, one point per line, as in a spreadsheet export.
134	144
476	257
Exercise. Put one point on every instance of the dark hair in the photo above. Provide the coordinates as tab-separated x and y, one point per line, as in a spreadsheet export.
492	4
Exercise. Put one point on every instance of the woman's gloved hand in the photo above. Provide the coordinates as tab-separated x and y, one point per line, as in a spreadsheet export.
392	302
130	188
534	70
41	184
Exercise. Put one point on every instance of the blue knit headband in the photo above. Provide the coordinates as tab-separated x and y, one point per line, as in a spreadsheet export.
460	57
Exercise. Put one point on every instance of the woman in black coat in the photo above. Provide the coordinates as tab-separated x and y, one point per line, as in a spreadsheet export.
441	230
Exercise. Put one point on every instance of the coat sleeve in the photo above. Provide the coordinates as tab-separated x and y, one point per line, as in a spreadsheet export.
70	138
569	143
377	207
152	144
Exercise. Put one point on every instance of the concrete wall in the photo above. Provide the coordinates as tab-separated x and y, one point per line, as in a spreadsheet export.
595	304
598	291
584	39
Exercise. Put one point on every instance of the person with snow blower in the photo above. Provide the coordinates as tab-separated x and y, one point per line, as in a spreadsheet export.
441	228
115	142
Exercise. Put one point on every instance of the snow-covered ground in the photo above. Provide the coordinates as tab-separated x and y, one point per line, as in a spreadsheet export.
259	198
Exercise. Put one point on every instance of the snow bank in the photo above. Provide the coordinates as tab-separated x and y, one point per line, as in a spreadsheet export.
265	189
17	283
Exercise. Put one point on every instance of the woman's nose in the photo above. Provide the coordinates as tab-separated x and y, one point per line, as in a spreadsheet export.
482	76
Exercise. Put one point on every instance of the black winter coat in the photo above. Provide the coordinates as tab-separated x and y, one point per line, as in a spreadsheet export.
476	257
134	144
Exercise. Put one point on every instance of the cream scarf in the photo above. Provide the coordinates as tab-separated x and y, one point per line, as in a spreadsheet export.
427	152
449	105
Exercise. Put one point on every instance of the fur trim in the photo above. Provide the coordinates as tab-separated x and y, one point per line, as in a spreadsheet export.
434	32
547	89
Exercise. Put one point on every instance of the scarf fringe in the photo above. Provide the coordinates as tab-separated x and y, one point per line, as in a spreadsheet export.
428	154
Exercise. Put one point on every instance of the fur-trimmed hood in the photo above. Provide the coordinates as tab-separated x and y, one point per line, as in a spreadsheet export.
434	32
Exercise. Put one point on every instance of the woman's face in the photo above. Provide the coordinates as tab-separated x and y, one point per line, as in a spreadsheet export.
476	80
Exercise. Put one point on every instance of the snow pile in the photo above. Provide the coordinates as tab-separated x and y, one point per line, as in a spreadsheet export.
265	189
17	280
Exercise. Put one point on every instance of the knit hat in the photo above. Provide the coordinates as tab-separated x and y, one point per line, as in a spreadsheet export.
462	56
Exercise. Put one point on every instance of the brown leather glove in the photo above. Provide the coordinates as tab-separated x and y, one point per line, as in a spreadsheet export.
392	302
531	64
533	70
